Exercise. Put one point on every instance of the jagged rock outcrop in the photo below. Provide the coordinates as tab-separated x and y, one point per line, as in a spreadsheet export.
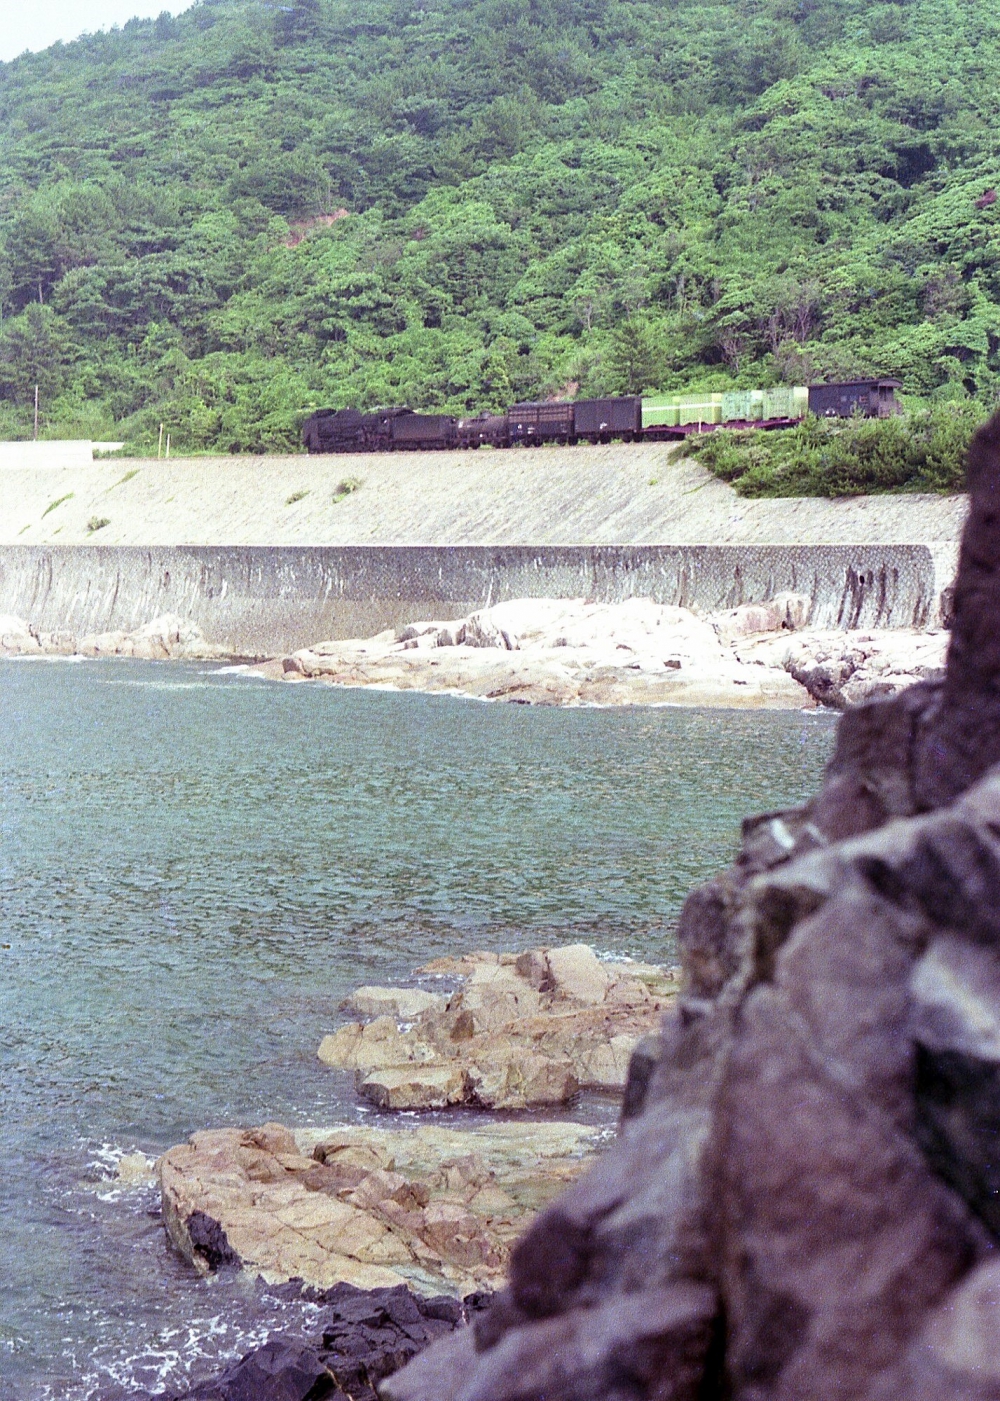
434	1208
362	1336
841	670
801	1204
522	1031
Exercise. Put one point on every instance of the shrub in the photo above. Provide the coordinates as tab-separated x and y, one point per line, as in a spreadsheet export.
919	451
97	523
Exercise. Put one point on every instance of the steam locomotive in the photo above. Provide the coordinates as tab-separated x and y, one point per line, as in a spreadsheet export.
630	418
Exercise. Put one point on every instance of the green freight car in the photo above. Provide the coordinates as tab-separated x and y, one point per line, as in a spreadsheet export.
677	415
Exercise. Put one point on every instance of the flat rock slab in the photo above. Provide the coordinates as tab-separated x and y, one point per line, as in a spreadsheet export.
435	1208
522	1031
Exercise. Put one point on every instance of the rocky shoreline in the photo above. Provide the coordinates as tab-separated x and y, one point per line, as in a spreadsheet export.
405	1229
560	652
166	638
569	652
360	1337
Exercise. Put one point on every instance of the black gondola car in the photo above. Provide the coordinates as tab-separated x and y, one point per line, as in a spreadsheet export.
873	398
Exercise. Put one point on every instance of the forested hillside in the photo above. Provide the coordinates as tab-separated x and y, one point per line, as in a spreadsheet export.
223	219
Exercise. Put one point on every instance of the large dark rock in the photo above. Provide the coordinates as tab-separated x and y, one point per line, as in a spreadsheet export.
802	1204
366	1336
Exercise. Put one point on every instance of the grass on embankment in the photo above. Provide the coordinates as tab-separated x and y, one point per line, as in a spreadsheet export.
923	450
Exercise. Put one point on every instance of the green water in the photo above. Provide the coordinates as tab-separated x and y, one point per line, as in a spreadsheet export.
196	868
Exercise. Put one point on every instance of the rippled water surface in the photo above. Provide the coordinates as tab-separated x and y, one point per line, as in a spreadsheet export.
197	868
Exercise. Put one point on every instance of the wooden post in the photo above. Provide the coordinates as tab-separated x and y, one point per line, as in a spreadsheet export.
159	445
168	445
36	413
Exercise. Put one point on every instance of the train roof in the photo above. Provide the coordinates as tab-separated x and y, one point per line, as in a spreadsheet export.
856	383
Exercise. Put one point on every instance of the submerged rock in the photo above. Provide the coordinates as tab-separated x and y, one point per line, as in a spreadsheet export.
431	1207
801	1203
523	1031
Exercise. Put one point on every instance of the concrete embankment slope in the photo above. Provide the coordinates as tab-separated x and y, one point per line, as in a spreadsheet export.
624	494
269	554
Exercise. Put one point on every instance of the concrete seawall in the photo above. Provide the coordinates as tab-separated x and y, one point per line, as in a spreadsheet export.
268	599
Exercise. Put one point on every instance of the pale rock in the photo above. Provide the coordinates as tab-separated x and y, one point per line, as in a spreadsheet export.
414	1086
18	638
523	1030
576	972
402	1003
377	1044
11	626
745	621
104	644
524	1082
605	1067
436	1208
482	630
495	996
793	610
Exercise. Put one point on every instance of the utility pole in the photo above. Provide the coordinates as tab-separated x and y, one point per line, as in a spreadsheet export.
36	413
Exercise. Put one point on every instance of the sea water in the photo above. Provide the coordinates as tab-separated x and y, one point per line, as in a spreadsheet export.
196	868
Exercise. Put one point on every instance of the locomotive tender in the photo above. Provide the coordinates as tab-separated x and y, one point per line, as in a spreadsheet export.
630	418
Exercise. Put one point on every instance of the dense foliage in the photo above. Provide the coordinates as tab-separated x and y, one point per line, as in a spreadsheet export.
920	451
223	219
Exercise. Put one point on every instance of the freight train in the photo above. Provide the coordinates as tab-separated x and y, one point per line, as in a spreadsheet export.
629	418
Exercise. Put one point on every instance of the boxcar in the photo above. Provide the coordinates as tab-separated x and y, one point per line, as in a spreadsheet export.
604	419
541	423
874	398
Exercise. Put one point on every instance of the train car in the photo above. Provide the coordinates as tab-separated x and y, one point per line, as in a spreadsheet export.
420	432
541	423
677	415
600	420
383	430
485	430
674	416
873	398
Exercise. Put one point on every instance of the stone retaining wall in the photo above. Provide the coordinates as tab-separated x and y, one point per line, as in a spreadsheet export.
275	598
